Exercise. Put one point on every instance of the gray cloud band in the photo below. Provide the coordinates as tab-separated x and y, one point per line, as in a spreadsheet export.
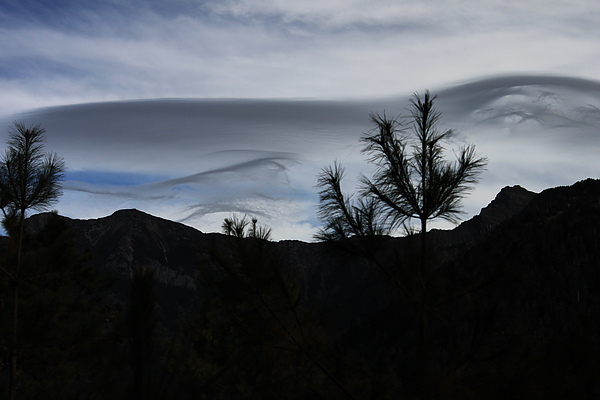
261	157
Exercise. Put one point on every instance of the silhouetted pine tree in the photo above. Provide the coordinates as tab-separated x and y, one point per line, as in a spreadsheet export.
29	180
412	180
60	327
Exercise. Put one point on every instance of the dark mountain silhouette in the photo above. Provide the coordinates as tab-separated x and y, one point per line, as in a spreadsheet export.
131	239
510	307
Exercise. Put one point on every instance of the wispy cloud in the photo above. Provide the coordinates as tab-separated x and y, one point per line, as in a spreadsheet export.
433	15
66	52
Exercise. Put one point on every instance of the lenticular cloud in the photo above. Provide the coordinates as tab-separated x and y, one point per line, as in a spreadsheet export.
199	161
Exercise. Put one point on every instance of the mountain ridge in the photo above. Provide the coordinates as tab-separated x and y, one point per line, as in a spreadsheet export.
130	239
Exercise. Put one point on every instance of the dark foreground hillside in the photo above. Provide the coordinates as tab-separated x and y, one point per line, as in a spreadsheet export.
509	308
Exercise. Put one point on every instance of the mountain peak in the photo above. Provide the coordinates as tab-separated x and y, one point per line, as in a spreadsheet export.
129	213
509	201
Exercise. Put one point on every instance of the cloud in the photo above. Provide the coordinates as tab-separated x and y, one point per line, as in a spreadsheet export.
193	134
431	15
74	52
538	131
198	161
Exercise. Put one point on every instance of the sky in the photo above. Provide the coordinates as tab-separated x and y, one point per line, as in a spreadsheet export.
192	110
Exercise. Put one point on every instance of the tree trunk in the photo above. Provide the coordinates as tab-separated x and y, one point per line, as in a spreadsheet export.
423	250
13	381
423	291
13	345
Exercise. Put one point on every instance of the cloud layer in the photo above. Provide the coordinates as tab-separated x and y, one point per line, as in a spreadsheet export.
68	52
198	161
